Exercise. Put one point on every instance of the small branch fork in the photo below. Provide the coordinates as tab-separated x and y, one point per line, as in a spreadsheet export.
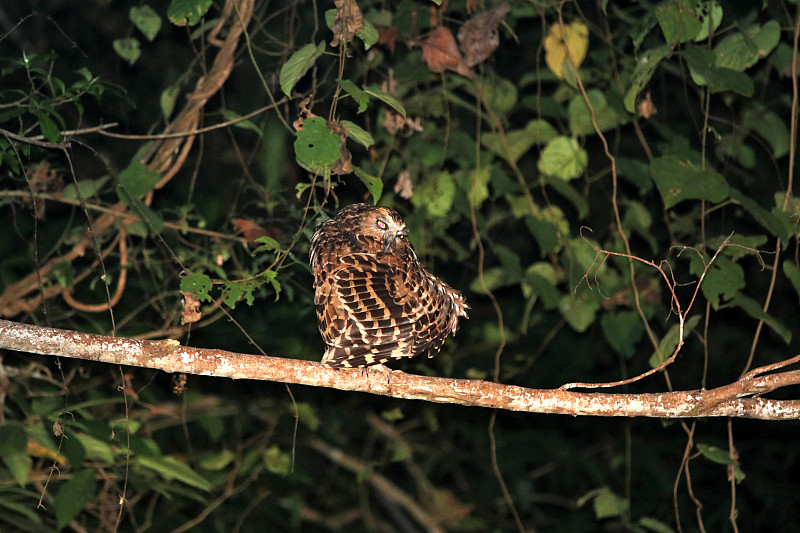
732	400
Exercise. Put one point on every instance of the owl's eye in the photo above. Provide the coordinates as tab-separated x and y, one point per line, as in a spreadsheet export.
382	224
401	236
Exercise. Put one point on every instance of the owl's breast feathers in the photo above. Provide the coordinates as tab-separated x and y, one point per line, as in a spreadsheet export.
374	306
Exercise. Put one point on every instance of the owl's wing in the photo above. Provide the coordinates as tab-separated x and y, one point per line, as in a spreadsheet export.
368	313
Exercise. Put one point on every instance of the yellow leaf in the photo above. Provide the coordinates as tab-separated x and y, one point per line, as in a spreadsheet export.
575	36
34	449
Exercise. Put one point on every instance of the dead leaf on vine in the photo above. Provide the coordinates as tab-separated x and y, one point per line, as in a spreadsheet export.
440	53
348	21
403	187
478	36
646	107
191	308
388	36
250	230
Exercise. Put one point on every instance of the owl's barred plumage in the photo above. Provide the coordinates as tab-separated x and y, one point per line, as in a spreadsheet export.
375	301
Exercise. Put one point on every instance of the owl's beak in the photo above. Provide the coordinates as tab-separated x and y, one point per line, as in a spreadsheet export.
390	238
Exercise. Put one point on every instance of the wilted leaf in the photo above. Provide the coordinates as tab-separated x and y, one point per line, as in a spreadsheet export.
347	23
478	36
573	37
440	53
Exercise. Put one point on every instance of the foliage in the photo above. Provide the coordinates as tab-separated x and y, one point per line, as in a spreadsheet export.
536	150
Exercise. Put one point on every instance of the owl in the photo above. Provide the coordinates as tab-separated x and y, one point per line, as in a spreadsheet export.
375	301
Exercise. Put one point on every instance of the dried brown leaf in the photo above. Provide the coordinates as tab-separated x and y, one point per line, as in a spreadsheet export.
348	21
478	36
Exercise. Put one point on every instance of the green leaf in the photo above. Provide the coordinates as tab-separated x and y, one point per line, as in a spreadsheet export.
435	193
13	438
170	468
514	144
86	188
215	462
743	49
793	273
714	17
541	279
373	183
95	449
19	464
136	180
724	278
767	219
199	284
755	310
73	496
563	158
356	93
679	20
128	49
622	330
48	127
316	146
769	126
307	415
234	291
669	342
357	133
272	278
149	221
645	67
268	244
368	34
570	193
168	98
297	66
580	117
146	20
652	524
276	461
679	180
183	12
244	124
720	456
387	99
608	505
579	310
718	79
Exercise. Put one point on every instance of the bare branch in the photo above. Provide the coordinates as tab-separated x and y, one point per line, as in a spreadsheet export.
168	356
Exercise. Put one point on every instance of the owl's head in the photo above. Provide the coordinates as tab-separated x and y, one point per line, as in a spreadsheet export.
381	223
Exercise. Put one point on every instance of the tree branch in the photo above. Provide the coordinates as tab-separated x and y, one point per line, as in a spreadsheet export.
170	357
